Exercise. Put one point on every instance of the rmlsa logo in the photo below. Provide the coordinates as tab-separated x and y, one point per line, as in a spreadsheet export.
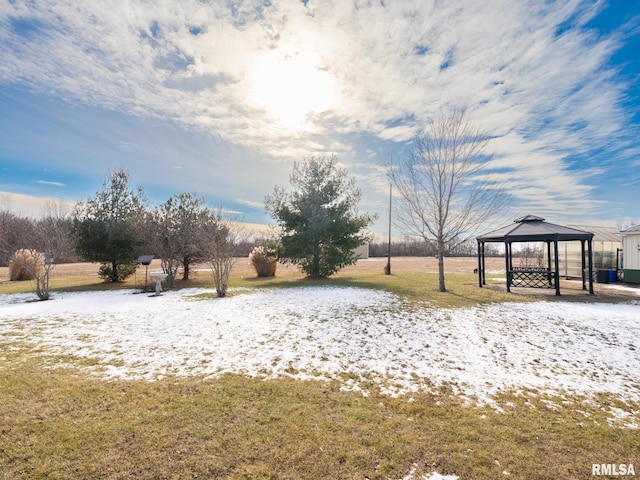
613	469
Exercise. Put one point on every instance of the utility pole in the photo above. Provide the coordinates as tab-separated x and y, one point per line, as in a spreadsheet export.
387	269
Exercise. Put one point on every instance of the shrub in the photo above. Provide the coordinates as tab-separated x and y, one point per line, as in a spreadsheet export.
264	263
124	270
25	265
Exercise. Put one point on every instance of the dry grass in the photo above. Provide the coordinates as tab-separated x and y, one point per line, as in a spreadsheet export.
58	423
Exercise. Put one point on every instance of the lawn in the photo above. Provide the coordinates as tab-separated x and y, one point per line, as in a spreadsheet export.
360	376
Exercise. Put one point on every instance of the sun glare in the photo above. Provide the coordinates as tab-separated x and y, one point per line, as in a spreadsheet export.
291	88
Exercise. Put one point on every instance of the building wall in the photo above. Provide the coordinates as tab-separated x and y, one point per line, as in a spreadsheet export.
631	245
631	276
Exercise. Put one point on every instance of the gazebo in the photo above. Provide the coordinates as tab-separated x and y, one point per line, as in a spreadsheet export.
534	229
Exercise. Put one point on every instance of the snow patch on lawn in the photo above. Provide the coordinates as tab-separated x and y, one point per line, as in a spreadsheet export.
355	335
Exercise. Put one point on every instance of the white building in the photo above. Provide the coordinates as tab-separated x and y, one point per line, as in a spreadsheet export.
631	257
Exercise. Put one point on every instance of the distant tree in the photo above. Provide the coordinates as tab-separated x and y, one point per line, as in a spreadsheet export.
319	221
624	223
108	227
52	244
37	245
444	191
174	233
16	233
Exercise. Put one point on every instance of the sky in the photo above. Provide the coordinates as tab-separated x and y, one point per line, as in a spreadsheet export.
220	97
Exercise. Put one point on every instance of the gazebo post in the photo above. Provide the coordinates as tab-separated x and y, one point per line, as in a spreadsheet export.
556	262
484	266
480	258
584	283
507	257
589	243
548	243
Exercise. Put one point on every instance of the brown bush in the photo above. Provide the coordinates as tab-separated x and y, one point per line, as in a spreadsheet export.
264	263
24	263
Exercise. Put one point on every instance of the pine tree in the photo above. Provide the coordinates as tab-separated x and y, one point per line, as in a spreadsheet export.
108	227
320	224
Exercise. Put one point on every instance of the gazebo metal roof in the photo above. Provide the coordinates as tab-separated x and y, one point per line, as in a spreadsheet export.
534	229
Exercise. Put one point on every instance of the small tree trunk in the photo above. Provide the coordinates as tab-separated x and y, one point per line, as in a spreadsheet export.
168	268
185	265
42	285
441	284
315	268
114	271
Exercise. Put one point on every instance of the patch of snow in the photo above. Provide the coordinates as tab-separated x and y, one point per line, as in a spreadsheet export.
623	288
431	476
327	332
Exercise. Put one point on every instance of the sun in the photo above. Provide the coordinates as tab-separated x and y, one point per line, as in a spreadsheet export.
292	87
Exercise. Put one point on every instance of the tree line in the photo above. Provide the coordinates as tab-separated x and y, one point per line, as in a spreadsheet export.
319	229
115	227
412	247
444	193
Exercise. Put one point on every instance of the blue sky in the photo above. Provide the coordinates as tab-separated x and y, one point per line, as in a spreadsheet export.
221	97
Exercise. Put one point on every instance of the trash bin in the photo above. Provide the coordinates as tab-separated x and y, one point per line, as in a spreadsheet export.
613	276
602	276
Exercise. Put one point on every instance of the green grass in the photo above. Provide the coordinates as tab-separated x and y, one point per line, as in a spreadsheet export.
462	289
62	424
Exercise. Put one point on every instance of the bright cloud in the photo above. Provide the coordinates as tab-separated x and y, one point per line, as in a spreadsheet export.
294	79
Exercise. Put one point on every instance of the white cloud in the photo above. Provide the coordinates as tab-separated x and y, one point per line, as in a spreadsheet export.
53	184
543	94
28	205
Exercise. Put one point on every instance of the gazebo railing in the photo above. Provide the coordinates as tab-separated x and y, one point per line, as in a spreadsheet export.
535	277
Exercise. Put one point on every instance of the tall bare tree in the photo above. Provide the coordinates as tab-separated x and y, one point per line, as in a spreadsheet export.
445	189
16	232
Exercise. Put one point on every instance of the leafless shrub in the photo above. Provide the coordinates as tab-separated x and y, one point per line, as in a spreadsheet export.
220	239
264	263
25	264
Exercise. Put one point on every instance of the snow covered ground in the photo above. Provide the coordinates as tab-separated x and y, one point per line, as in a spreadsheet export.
325	332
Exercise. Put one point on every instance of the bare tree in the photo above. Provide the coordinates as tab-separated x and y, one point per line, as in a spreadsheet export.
15	233
220	239
173	232
446	192
624	223
48	244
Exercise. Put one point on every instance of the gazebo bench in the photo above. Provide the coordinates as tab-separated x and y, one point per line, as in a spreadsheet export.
537	277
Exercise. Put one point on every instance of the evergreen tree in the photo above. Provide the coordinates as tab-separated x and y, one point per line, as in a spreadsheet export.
108	227
320	225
